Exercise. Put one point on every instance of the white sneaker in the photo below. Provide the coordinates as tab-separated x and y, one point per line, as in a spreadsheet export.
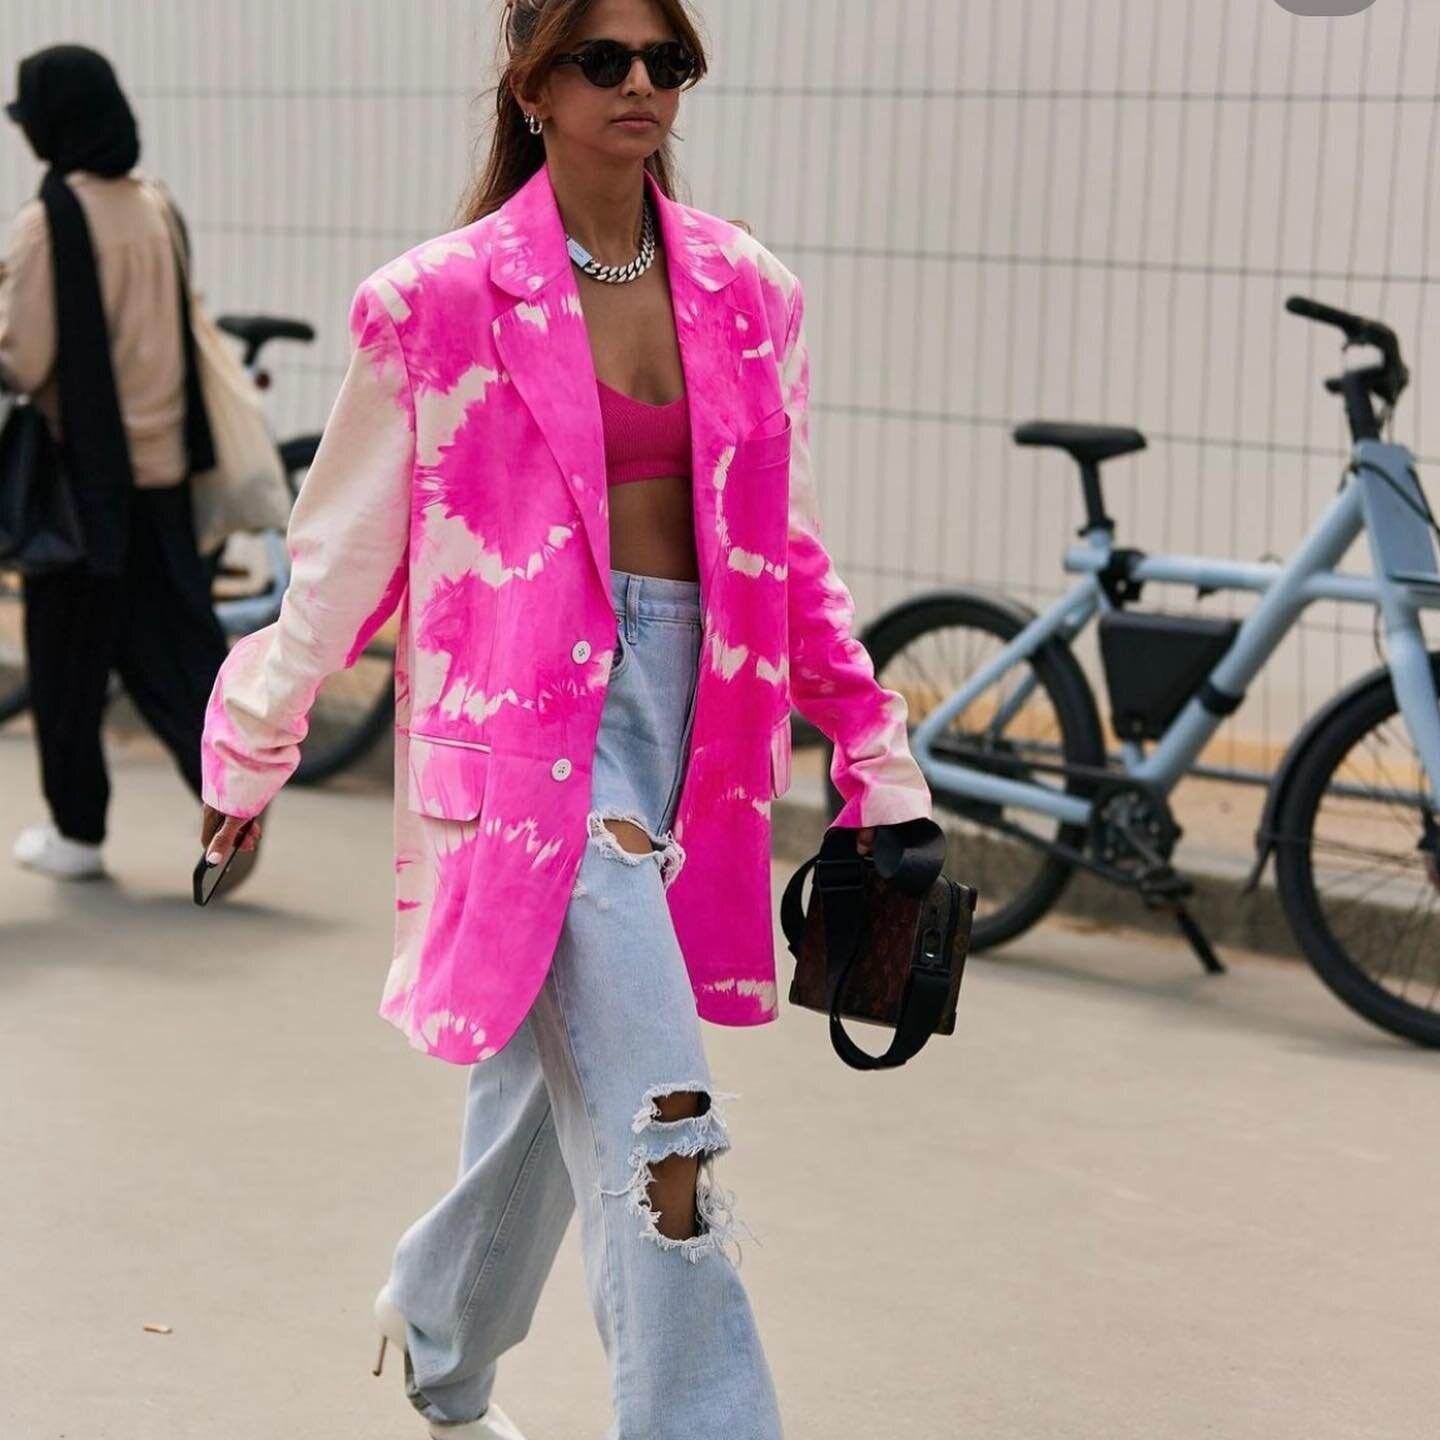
494	1424
44	848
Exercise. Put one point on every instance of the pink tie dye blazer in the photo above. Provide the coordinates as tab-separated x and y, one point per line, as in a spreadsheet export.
462	480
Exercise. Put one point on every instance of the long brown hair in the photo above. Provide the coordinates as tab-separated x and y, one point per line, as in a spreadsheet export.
533	33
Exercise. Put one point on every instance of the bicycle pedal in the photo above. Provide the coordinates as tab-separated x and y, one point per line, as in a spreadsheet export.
1161	888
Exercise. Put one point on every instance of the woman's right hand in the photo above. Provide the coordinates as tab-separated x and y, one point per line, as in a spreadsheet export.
218	833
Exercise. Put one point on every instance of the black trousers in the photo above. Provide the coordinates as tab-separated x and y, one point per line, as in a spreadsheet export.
153	625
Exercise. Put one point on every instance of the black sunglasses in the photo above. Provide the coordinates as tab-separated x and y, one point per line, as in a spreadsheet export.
606	63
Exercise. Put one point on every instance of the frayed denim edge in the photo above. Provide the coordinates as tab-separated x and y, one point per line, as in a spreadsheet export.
705	1135
667	853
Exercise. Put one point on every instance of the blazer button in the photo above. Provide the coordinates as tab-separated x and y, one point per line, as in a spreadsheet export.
581	653
561	769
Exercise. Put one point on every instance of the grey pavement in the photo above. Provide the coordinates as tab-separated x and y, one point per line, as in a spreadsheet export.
1125	1200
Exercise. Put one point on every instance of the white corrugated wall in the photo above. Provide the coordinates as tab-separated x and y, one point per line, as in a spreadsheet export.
1000	208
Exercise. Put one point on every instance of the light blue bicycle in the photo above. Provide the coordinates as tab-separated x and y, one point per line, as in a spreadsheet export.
1006	728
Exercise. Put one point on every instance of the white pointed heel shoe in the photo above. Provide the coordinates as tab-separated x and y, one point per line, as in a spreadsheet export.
494	1424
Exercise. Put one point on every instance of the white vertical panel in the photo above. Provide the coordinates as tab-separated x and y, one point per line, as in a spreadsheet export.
1076	208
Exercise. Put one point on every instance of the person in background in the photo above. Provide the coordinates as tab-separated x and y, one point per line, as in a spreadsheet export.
93	330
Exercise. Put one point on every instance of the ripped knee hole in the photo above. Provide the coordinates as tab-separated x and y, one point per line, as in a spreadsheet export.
631	837
673	1179
672	1188
626	838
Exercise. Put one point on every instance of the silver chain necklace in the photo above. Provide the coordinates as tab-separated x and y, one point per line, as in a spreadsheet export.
618	274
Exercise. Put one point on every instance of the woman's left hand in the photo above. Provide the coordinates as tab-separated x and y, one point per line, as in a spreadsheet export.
865	839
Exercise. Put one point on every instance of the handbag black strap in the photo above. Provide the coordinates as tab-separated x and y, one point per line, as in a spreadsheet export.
909	855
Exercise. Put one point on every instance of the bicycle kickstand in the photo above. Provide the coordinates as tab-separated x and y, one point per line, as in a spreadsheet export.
1190	929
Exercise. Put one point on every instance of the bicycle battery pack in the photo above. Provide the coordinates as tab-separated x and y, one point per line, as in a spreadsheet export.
1154	663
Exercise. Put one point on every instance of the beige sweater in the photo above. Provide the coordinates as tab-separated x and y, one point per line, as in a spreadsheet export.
140	292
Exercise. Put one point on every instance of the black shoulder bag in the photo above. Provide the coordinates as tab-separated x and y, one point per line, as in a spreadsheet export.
39	527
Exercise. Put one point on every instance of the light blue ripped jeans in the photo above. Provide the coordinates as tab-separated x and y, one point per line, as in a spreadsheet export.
565	1114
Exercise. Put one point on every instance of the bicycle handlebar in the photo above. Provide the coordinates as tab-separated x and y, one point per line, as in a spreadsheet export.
1327	314
1388	379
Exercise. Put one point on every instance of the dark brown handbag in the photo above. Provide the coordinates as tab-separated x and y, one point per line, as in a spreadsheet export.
884	939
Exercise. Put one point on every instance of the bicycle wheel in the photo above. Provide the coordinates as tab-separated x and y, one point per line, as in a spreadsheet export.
14	684
355	707
1356	868
1041	713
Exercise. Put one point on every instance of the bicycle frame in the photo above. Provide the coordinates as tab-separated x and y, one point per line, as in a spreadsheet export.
1381	496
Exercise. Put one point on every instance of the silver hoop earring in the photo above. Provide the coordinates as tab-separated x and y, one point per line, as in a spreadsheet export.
533	123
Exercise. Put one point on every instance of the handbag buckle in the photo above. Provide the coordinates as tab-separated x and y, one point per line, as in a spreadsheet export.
841	872
929	955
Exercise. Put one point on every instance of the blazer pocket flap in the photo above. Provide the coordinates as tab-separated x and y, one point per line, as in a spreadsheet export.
446	780
780	757
756	451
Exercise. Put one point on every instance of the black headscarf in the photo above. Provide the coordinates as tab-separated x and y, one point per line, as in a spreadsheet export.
76	117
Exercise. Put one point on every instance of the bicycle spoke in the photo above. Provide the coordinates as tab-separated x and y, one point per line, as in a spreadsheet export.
1399	943
1394	950
1351	901
1393	810
1420	949
1378	857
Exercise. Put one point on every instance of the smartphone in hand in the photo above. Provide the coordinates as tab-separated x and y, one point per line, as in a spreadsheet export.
207	877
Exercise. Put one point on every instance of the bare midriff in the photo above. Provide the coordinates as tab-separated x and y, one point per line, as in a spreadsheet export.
652	528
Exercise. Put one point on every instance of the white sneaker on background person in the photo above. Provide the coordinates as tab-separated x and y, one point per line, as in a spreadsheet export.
44	849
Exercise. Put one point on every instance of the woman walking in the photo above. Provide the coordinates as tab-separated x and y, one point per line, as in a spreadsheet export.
91	327
572	448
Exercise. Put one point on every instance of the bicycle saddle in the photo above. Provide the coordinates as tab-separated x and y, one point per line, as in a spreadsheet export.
1089	444
257	330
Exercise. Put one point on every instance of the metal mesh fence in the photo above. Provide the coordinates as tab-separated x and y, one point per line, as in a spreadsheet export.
1085	209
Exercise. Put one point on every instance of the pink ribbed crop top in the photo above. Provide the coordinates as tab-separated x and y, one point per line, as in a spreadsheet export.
643	441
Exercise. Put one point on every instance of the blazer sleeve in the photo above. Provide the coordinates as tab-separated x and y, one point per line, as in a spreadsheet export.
832	679
348	542
27	304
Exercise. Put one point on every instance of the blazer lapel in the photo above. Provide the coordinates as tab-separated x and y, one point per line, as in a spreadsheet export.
715	333
544	346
